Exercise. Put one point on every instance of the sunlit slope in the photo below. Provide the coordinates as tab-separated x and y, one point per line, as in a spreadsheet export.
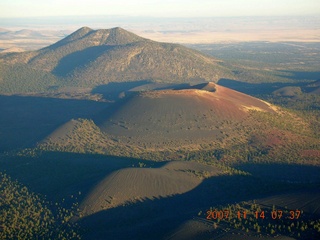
185	115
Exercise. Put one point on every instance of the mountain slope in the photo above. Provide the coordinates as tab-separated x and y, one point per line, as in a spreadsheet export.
136	184
205	112
205	120
94	57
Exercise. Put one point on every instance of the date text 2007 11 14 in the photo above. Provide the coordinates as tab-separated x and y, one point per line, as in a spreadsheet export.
274	214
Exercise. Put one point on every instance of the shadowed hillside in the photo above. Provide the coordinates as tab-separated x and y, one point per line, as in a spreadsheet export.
26	120
185	191
136	184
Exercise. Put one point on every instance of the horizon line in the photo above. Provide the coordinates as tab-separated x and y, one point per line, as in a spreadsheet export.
160	17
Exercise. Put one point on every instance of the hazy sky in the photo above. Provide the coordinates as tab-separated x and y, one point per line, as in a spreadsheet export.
158	8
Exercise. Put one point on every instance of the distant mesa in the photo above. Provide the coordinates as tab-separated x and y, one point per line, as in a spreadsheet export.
12	50
2	30
28	33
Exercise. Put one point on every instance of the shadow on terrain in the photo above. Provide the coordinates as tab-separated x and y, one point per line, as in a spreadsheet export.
59	175
157	218
261	88
26	120
252	88
112	91
291	173
63	175
80	59
294	75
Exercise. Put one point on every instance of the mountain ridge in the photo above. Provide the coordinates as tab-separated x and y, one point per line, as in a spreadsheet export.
89	58
113	36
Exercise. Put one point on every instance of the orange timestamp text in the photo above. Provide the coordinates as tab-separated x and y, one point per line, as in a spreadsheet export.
274	214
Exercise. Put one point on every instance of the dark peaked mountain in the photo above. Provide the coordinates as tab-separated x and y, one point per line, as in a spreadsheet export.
114	36
93	57
80	48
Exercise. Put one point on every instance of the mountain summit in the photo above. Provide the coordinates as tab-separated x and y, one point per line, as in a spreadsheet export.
88	37
89	58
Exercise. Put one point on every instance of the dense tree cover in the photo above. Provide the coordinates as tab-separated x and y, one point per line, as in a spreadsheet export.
25	215
20	78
